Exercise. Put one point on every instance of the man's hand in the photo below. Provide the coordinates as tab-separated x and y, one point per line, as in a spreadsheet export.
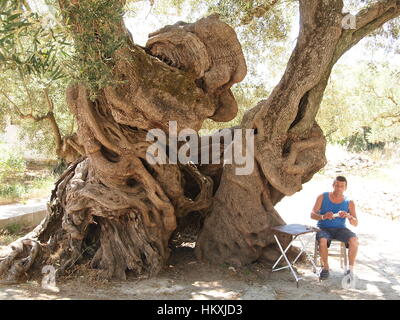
344	214
328	215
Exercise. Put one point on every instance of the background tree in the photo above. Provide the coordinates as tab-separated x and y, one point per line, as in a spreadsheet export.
34	56
118	211
361	109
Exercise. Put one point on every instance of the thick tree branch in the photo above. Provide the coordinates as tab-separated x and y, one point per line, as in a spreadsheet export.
48	116
20	113
78	148
289	163
320	30
383	13
53	123
92	120
379	9
367	21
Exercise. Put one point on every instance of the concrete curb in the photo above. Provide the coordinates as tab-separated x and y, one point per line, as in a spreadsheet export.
26	215
31	219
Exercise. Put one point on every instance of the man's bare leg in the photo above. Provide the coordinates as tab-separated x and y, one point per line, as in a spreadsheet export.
353	248
323	252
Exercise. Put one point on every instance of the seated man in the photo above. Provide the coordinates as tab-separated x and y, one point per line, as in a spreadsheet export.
334	227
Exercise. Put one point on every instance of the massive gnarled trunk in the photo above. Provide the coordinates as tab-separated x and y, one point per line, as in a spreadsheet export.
289	144
116	210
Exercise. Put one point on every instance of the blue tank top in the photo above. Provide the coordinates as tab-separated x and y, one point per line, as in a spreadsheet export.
328	205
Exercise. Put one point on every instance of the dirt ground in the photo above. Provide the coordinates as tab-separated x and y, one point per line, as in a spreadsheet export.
377	270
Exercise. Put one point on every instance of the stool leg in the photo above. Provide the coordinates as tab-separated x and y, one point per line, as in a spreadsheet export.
345	257
315	254
341	255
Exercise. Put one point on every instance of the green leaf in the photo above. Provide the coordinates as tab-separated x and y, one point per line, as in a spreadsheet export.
14	16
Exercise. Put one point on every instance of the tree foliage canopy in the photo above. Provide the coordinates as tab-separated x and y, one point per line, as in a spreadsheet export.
35	56
362	105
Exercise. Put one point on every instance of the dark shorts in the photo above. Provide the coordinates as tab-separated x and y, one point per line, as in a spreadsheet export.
341	234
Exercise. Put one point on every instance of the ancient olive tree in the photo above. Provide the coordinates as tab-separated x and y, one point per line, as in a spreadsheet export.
116	209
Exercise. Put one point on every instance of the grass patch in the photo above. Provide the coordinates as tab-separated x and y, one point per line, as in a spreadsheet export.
13	228
6	239
21	179
12	232
21	191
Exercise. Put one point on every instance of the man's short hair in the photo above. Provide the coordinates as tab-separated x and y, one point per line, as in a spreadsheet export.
341	178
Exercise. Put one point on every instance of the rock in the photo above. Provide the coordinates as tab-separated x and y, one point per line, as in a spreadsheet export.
232	268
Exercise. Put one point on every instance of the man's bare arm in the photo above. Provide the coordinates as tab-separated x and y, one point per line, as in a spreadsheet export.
352	214
315	211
